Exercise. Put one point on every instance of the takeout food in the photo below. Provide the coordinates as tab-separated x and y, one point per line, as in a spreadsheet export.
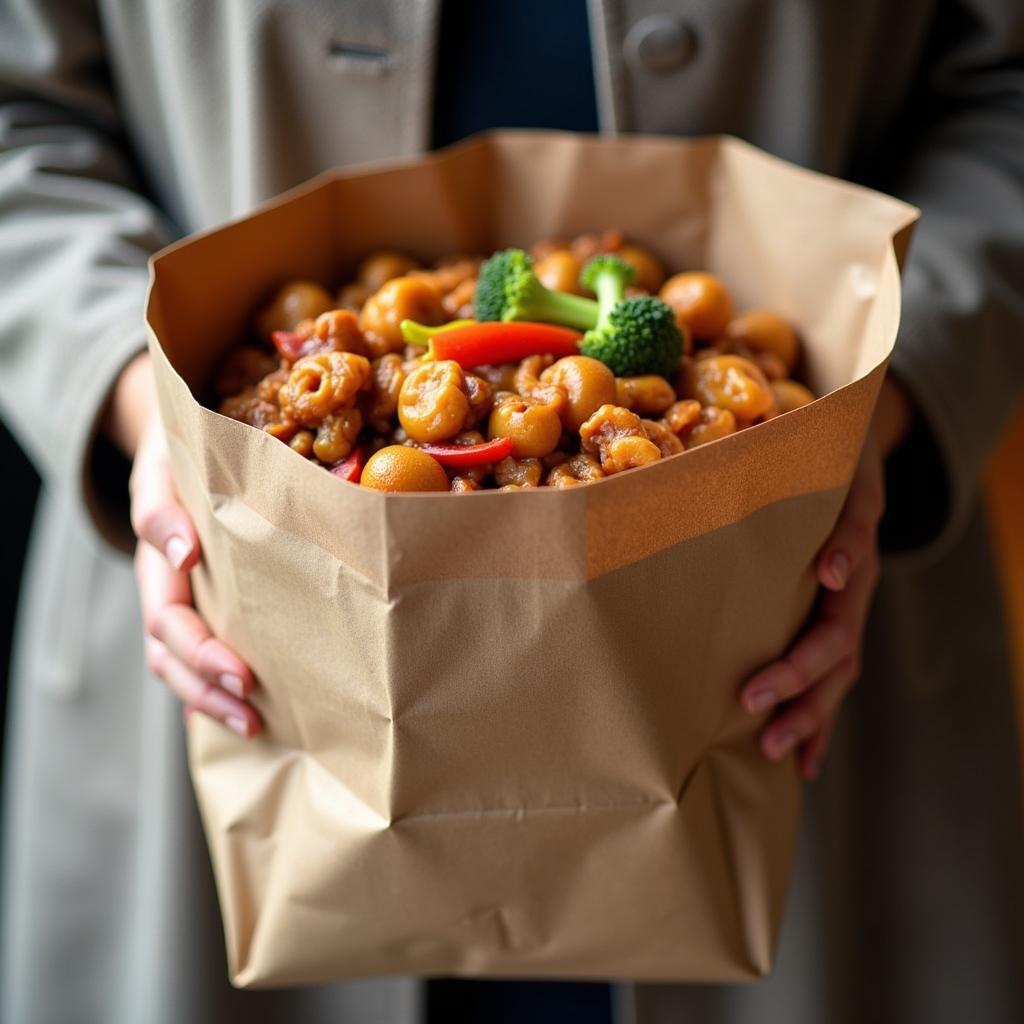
553	369
505	741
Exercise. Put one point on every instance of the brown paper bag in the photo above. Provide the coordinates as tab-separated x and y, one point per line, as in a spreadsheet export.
503	734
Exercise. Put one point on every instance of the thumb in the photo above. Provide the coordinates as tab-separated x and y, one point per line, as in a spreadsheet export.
157	516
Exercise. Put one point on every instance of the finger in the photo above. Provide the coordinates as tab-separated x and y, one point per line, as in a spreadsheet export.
187	637
813	752
827	643
807	716
835	636
200	695
156	515
854	537
850	543
848	609
166	598
159	584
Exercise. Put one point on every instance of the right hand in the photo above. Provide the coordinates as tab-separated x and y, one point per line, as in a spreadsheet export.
204	673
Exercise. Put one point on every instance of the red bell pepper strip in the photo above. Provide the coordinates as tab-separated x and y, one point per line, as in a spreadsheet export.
465	455
476	344
350	469
291	344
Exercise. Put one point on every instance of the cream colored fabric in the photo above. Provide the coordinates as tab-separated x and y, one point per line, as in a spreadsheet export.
108	911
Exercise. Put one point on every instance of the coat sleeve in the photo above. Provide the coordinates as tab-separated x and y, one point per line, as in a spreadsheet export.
961	347
75	235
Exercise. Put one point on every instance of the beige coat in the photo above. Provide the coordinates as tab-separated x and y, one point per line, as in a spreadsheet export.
908	903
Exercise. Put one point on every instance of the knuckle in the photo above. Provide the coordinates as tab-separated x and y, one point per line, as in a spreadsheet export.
143	521
154	624
795	679
204	657
206	701
156	659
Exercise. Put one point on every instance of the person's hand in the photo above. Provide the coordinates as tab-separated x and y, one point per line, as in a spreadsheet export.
205	674
807	685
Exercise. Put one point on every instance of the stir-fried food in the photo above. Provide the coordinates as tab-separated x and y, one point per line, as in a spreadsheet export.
554	368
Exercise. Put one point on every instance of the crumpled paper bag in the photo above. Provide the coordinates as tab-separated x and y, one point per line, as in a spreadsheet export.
503	735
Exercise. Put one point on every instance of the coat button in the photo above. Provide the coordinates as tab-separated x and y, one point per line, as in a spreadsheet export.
659	44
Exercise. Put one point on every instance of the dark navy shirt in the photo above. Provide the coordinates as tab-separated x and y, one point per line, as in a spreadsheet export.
513	64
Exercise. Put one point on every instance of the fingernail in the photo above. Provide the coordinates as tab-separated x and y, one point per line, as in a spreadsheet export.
840	566
177	550
236	723
783	744
761	700
232	683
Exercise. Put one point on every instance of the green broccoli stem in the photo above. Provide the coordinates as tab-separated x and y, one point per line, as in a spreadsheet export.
562	308
610	289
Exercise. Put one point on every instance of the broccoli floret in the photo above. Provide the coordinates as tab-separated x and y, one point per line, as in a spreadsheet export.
638	336
632	336
607	277
508	289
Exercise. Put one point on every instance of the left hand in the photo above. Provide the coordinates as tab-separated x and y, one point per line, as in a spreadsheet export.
808	684
206	674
